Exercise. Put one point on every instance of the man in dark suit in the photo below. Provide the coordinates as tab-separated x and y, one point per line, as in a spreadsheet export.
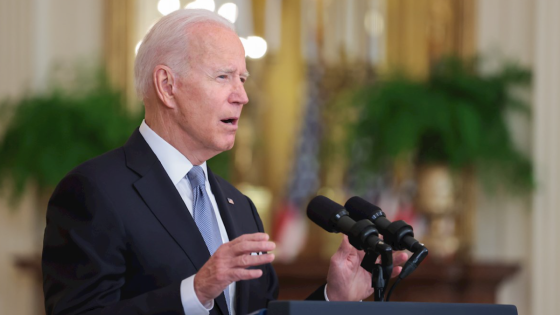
148	228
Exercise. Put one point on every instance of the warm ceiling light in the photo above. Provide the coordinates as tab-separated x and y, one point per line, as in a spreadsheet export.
209	5
229	11
256	47
167	6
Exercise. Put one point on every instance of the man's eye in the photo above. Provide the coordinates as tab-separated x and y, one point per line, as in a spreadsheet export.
223	76
243	80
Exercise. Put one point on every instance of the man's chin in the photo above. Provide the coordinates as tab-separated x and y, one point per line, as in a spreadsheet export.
225	147
229	146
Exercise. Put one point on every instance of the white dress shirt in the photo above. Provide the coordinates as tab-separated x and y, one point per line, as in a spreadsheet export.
177	166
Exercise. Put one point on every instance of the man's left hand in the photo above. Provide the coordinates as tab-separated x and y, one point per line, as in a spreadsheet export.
347	280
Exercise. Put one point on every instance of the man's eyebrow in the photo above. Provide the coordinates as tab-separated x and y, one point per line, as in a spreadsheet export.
230	71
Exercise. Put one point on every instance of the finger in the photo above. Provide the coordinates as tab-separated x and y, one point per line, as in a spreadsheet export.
248	247
399	258
252	237
345	248
245	274
396	271
245	261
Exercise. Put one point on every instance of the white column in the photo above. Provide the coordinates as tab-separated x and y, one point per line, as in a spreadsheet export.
273	25
17	226
546	202
15	47
41	43
505	31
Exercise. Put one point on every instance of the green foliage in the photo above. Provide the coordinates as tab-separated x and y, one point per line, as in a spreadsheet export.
456	116
220	164
47	135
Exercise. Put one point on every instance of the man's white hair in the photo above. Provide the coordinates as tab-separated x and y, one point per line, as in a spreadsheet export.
167	44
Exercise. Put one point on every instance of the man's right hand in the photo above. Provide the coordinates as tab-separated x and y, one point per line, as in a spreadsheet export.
229	264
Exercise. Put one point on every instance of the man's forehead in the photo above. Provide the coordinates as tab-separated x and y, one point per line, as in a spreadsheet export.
214	41
210	32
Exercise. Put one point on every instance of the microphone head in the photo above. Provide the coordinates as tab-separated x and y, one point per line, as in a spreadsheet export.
360	209
322	211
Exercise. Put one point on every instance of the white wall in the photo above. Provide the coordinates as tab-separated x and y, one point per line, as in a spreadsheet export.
66	32
506	31
16	30
35	34
517	229
545	251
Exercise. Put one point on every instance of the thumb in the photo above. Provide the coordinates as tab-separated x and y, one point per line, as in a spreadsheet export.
346	248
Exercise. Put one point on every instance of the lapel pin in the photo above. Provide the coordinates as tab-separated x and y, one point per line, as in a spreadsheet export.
230	201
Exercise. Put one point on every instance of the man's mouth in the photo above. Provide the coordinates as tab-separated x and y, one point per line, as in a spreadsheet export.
231	121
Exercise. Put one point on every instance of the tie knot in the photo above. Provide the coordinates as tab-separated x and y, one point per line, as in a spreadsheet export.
196	176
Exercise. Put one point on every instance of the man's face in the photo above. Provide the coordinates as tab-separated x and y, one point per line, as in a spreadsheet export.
211	95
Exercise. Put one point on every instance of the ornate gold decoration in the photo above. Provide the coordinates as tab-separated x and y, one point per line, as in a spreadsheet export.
421	31
119	45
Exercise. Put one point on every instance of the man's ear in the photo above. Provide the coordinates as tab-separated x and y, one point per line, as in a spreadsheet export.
165	84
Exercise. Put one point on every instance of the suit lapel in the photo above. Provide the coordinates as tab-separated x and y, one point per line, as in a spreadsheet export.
174	216
163	199
166	204
227	210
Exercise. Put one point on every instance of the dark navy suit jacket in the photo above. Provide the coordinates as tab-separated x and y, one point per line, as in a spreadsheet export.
119	239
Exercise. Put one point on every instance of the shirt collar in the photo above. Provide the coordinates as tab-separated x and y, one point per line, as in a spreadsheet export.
175	164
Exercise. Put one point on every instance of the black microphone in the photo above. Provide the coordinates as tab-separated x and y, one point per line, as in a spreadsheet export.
333	218
398	234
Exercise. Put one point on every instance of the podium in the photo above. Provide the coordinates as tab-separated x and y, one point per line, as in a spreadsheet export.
382	308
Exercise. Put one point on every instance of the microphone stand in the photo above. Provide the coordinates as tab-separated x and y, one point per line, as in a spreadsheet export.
380	273
364	235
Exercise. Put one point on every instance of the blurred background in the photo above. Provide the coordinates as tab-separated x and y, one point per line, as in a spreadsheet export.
445	113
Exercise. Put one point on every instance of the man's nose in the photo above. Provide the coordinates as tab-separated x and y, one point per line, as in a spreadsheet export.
238	95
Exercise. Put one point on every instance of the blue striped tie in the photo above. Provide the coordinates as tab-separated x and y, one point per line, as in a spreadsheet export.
204	215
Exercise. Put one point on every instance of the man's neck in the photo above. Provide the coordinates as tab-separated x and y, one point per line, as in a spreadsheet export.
172	135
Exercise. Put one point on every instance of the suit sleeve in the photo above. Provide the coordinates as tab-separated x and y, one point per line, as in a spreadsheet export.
84	256
317	295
